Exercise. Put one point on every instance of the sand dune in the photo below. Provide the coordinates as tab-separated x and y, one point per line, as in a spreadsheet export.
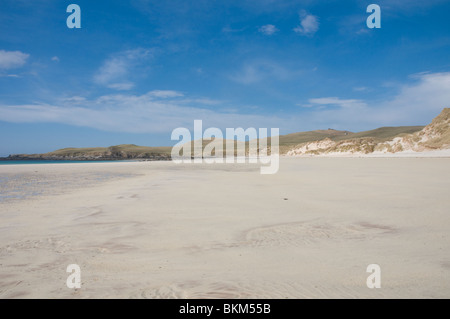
160	230
432	140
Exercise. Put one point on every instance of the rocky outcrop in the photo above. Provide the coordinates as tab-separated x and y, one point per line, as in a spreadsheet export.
435	136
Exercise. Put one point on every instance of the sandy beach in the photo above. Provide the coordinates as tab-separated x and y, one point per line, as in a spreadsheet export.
160	230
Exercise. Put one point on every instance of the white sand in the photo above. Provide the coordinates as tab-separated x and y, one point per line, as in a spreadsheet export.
442	153
202	231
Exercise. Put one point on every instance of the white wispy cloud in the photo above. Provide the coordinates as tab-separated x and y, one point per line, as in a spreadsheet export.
431	92
309	24
260	70
115	71
74	99
124	86
9	75
12	59
417	102
268	29
55	59
335	101
360	89
203	101
128	113
164	94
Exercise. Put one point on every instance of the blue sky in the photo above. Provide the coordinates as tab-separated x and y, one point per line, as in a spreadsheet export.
137	69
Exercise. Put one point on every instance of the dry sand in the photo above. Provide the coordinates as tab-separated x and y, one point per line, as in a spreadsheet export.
160	230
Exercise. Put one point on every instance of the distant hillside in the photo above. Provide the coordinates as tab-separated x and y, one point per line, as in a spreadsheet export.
290	141
389	139
302	137
382	133
434	136
119	152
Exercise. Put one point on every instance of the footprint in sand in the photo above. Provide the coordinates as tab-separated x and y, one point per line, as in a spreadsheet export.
245	290
196	290
91	212
297	234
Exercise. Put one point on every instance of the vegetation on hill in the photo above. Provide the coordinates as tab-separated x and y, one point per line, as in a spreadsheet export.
391	139
434	136
119	152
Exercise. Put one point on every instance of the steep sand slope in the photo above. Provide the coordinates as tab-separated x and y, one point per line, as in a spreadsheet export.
435	136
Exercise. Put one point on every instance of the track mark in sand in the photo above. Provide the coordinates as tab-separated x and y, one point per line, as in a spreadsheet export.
260	289
377	226
93	212
9	285
195	290
305	233
298	234
164	292
58	245
115	229
133	196
110	248
446	265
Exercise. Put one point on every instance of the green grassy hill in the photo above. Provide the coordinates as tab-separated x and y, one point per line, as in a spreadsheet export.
124	149
287	142
119	152
382	134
